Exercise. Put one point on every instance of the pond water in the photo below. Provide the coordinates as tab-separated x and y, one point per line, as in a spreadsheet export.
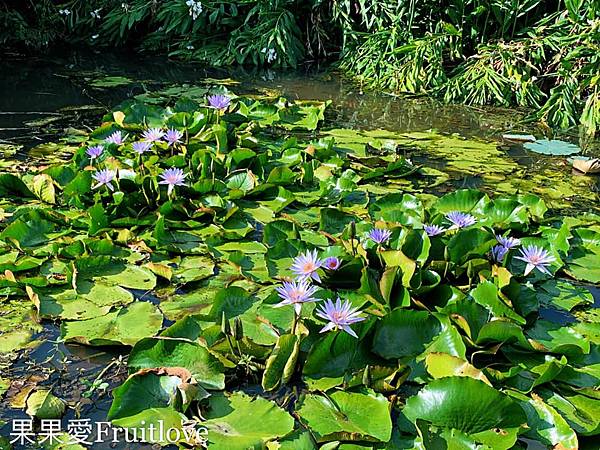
41	98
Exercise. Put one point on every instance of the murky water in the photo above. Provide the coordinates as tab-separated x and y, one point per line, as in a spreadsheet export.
39	98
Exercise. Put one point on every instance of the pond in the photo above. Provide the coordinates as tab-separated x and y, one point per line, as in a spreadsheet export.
49	106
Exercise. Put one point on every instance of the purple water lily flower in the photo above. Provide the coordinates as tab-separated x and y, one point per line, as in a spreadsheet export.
173	136
305	266
536	258
116	138
104	177
141	147
508	242
296	293
172	178
94	152
220	102
499	252
153	134
332	263
433	230
460	219
380	236
340	316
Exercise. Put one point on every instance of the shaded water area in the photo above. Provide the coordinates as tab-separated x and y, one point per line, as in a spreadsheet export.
42	100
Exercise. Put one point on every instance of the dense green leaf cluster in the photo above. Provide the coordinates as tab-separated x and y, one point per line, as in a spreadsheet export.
455	349
537	54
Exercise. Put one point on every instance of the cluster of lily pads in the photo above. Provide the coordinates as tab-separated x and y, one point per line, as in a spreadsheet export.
308	294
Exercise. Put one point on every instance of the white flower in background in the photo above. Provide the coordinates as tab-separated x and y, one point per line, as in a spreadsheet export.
195	8
95	14
64	12
125	6
190	47
95	36
271	54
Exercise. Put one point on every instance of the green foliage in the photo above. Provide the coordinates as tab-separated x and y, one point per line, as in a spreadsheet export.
535	54
454	347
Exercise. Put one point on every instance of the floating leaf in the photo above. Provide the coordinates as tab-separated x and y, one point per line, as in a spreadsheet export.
552	147
347	416
43	405
239	422
466	404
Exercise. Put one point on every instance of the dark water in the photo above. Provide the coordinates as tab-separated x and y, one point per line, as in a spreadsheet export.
39	98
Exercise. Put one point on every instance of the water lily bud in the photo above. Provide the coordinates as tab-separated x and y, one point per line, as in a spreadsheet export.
225	325
238	329
366	378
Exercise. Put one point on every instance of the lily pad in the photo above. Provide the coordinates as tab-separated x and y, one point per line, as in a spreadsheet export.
552	147
205	368
125	326
347	416
43	405
239	422
466	404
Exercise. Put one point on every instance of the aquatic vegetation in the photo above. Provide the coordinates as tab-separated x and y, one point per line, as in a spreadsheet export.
141	147
104	177
306	288
172	177
339	316
220	102
460	220
306	265
536	54
536	258
296	293
379	236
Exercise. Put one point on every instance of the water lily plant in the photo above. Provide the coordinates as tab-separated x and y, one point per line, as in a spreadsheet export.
116	138
296	293
172	177
153	134
339	315
306	264
220	102
141	147
173	136
95	151
379	235
460	220
536	258
104	177
433	230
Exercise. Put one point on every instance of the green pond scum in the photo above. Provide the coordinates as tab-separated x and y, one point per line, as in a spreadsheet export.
261	280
